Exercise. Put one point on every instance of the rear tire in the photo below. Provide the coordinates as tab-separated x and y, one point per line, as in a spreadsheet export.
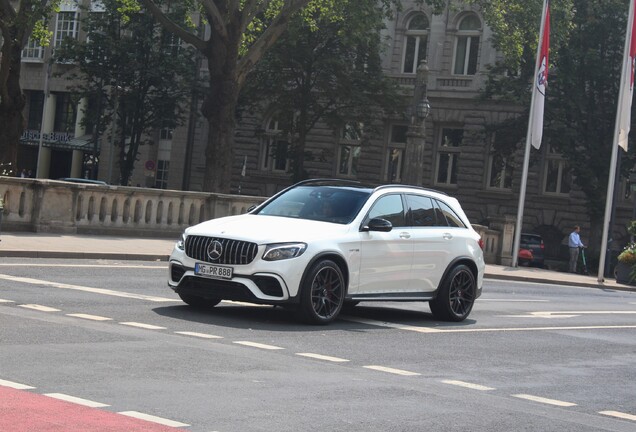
456	295
322	293
199	302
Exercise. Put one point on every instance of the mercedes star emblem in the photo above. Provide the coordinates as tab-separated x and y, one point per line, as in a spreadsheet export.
214	250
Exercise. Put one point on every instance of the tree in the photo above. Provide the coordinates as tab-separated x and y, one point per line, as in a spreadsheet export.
330	72
19	20
241	32
586	51
133	70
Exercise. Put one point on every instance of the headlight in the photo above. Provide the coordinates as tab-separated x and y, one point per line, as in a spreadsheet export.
181	243
282	251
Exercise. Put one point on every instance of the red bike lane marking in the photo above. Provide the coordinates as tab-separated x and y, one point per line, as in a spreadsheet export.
23	411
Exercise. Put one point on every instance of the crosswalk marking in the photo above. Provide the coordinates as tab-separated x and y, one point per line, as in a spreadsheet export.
258	345
39	308
15	385
199	335
323	357
89	317
467	385
142	325
619	414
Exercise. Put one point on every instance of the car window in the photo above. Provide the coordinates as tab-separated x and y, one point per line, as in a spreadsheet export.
389	207
530	240
451	217
420	210
329	204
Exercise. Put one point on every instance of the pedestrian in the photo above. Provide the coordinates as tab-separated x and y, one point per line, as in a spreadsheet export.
23	174
574	243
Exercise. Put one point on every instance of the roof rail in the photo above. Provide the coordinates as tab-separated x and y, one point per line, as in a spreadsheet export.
412	187
328	181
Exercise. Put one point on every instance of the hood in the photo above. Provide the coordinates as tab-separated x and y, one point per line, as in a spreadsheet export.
267	229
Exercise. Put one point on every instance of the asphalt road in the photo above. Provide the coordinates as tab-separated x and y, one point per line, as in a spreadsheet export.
530	357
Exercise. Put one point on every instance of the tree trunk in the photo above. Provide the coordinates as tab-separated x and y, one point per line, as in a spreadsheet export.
12	103
219	108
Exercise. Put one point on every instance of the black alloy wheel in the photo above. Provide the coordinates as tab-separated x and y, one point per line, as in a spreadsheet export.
323	292
456	295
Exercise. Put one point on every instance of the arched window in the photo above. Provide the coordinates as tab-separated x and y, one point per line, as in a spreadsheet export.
467	45
416	41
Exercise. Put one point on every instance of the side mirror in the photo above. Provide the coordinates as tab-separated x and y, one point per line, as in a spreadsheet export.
378	224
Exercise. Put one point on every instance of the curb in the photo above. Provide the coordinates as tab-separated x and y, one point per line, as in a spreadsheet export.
83	255
598	285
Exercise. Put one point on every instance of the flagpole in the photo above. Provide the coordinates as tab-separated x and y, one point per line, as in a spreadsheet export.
526	157
611	181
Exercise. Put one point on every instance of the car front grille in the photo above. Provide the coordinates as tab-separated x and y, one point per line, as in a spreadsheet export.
202	248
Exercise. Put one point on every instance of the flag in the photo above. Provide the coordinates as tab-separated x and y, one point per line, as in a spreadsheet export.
541	79
624	113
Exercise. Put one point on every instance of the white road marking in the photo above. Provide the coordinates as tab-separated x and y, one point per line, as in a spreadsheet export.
154	419
6	301
619	414
15	385
199	335
139	266
482	330
322	357
544	400
513	300
86	289
90	317
76	400
142	325
258	345
39	308
568	314
391	370
240	303
467	385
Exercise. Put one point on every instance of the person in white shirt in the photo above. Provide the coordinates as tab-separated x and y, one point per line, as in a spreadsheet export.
574	243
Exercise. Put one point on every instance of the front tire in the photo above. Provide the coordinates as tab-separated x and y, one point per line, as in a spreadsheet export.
199	302
456	295
322	293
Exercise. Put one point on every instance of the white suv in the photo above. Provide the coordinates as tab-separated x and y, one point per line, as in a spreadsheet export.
322	244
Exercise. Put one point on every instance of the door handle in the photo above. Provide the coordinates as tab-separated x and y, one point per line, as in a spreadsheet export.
405	235
447	236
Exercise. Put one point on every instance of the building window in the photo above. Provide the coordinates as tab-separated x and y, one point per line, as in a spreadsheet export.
500	171
166	133
33	51
67	26
467	45
275	147
36	105
65	113
349	149
557	178
395	153
416	41
448	156
161	180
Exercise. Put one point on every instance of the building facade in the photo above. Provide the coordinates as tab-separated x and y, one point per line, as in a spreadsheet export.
459	158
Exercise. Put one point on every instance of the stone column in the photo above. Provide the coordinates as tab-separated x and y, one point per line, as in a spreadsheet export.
78	155
48	121
506	226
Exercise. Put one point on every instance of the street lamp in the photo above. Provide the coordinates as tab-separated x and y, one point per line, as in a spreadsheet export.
415	136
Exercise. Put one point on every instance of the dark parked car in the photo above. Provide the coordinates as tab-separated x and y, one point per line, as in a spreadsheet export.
531	250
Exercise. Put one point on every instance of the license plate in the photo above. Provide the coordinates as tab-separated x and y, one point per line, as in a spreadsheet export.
213	271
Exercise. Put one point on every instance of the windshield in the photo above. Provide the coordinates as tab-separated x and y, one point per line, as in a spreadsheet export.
323	203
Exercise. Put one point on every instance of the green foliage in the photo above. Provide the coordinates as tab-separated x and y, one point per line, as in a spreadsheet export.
132	70
326	68
586	51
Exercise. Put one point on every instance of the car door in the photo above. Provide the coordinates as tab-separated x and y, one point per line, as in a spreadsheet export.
385	257
430	237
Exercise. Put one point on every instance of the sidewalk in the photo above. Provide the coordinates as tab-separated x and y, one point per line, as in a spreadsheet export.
45	245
